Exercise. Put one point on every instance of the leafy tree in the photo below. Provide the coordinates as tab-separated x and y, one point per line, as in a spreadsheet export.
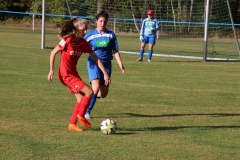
16	5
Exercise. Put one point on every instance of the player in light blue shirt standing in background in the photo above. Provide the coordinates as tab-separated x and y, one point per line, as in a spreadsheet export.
148	35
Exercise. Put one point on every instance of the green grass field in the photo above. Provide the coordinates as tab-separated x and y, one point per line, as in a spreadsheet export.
168	109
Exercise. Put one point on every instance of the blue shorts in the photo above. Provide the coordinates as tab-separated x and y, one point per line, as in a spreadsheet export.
95	73
150	40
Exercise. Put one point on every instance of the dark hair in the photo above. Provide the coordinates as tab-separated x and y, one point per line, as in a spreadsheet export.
102	14
69	27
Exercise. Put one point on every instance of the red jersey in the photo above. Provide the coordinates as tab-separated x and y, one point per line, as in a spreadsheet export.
71	52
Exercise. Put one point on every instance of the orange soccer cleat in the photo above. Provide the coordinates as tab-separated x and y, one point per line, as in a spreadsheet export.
74	127
84	122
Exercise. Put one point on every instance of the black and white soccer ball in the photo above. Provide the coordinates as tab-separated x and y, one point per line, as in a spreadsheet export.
108	126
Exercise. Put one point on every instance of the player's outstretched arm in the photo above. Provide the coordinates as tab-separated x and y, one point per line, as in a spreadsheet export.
119	61
52	59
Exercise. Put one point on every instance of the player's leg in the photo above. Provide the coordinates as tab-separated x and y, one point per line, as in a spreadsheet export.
94	78
150	47
81	90
103	91
73	121
88	92
141	52
142	47
99	91
98	85
150	52
95	87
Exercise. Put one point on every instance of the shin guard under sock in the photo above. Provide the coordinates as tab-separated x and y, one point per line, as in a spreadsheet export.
92	102
150	54
73	119
141	53
83	106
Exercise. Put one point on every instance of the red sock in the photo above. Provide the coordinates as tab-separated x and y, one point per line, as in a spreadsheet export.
74	113
83	106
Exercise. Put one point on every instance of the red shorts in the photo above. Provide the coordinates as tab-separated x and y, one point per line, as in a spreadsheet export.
75	84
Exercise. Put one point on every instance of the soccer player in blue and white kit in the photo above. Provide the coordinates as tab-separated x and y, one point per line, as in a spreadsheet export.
104	43
148	35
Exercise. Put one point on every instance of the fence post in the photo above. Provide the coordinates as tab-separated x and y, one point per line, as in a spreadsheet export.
114	25
43	24
33	17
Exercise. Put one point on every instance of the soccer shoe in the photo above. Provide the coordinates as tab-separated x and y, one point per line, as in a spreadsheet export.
74	127
87	116
139	59
149	60
84	122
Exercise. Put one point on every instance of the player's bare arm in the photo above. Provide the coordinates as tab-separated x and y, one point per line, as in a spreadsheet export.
52	59
119	61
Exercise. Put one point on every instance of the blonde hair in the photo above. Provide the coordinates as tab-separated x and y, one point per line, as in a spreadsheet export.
69	27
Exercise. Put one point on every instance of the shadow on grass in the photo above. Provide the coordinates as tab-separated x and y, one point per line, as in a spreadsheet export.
165	128
190	61
177	115
186	127
122	131
130	115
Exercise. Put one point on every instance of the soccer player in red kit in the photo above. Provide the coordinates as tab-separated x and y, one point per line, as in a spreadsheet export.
72	46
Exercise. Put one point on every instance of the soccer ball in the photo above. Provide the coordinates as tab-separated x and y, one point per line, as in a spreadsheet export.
108	126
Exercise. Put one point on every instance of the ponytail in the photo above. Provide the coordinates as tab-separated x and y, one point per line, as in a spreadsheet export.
69	27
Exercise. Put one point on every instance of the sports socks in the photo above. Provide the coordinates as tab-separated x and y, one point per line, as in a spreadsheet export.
73	119
141	53
79	108
83	106
92	102
150	54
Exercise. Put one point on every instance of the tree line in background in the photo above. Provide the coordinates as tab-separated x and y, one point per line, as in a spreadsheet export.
88	7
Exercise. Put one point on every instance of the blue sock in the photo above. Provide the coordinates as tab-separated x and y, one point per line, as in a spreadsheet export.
141	53
150	54
92	102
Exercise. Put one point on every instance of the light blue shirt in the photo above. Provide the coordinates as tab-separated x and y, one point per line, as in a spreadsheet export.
147	26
